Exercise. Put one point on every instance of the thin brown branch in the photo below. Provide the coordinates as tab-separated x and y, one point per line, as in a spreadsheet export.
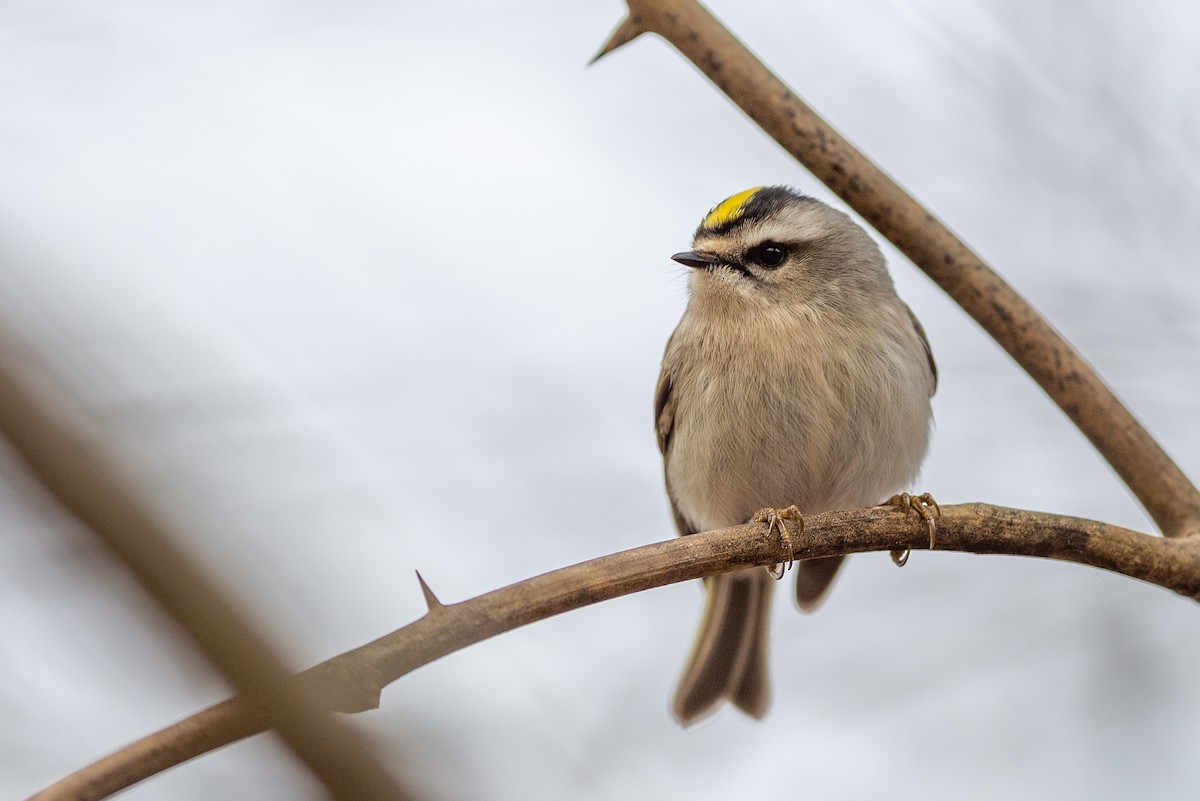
76	472
1163	489
353	681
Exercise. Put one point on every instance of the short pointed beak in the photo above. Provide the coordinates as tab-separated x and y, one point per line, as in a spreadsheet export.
692	258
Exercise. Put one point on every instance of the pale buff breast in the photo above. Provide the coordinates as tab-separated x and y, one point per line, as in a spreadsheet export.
817	417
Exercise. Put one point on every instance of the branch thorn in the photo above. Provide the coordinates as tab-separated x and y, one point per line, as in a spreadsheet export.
629	29
431	600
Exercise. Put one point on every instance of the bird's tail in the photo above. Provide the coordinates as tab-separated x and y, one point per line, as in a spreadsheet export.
814	577
729	660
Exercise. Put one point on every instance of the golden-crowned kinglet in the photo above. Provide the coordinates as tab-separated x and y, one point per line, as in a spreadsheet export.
796	376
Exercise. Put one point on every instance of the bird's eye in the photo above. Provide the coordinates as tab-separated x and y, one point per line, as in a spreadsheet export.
770	254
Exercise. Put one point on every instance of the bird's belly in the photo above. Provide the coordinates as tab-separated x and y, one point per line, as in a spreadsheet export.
744	442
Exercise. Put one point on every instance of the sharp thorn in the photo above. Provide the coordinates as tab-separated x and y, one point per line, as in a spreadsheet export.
626	32
431	600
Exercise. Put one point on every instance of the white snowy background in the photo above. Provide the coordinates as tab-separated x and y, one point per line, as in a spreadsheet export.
363	288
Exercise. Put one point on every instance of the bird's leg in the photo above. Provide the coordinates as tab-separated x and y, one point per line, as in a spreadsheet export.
925	506
774	519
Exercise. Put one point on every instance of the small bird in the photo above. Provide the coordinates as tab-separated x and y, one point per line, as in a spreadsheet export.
795	377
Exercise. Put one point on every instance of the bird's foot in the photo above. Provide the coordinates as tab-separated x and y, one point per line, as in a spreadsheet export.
925	506
774	519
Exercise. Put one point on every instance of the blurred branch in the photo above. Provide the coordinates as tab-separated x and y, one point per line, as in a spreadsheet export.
73	468
353	681
1163	489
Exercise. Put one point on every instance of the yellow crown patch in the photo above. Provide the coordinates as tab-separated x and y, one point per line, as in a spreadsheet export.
729	209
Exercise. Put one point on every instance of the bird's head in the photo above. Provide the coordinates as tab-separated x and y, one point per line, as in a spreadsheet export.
772	245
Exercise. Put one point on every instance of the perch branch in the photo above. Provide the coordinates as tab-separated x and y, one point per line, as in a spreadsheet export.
353	681
1166	493
73	469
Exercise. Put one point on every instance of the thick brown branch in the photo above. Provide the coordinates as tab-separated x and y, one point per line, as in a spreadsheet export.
353	681
76	472
1166	493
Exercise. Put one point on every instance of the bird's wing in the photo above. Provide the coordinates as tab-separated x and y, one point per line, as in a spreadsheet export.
924	344
664	411
664	423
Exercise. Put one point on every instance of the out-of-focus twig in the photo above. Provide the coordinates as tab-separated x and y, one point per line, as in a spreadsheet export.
353	681
77	472
1163	489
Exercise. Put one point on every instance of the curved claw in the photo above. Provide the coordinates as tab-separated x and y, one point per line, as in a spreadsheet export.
774	519
925	506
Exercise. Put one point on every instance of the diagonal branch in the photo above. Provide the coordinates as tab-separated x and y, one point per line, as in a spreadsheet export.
353	681
1166	493
73	468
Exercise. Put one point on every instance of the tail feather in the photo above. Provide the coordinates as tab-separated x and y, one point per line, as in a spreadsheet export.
814	577
729	660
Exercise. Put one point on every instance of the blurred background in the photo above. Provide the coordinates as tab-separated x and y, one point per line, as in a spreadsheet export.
356	289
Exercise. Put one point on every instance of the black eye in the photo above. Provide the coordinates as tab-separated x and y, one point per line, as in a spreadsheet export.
769	254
